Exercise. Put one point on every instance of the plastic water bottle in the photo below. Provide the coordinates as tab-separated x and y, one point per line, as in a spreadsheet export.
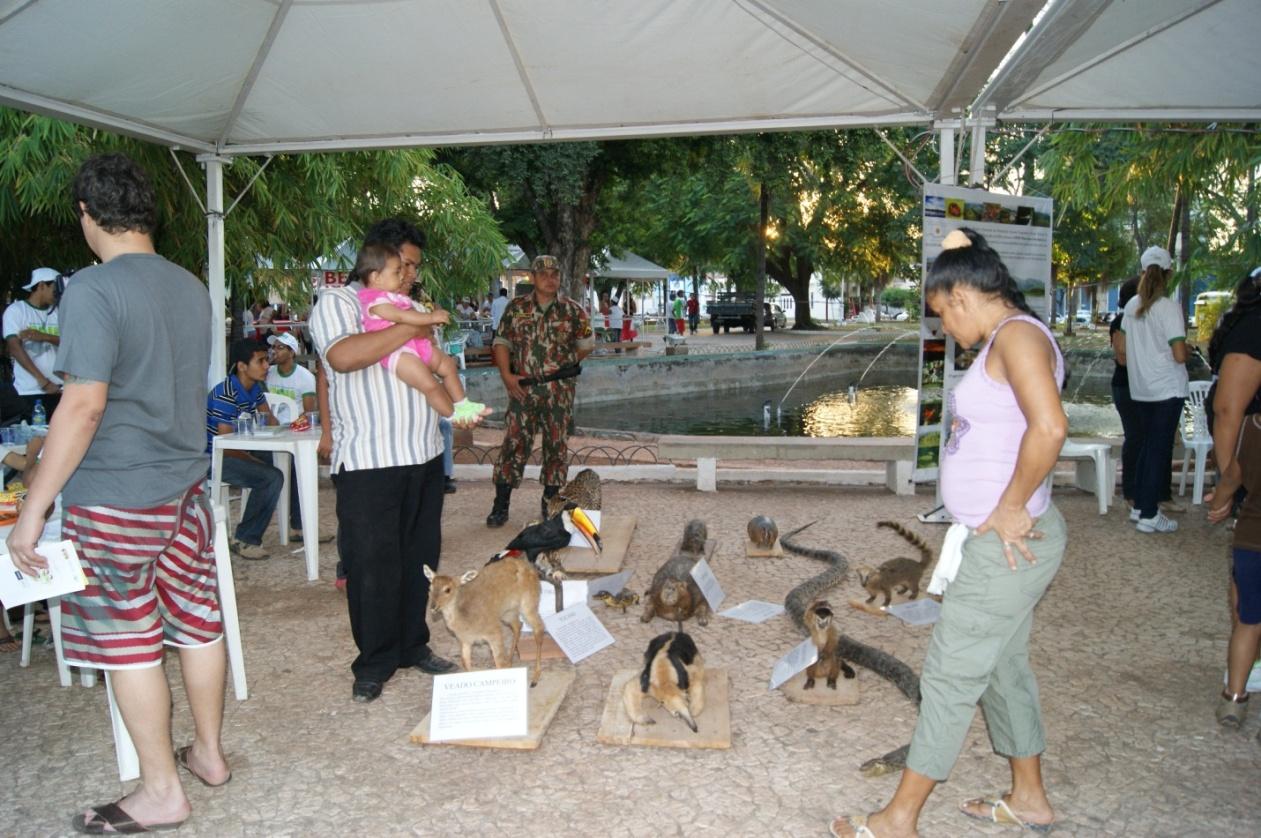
39	419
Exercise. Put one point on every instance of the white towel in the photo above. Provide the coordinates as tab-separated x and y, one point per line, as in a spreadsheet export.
951	555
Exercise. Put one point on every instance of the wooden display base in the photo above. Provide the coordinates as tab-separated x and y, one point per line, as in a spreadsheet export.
753	551
714	722
845	694
545	699
525	648
615	534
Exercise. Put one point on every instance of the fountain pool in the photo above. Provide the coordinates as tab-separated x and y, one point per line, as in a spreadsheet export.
882	406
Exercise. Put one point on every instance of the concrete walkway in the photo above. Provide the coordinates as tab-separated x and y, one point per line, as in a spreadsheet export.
1129	647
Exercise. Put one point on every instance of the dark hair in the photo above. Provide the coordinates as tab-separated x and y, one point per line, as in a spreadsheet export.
1151	287
503	292
1247	300
977	266
242	352
117	194
372	258
1128	289
394	232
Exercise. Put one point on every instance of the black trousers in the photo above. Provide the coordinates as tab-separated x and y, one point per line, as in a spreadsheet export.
389	527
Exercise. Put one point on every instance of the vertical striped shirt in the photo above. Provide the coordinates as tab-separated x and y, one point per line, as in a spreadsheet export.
378	421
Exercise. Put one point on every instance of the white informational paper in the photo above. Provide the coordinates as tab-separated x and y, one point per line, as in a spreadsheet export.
801	656
577	539
708	583
572	591
613	584
64	576
490	704
917	612
578	632
753	611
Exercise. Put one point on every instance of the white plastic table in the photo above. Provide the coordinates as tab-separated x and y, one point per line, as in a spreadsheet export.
301	446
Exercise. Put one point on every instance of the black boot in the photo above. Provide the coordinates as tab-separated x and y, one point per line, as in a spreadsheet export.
548	492
499	512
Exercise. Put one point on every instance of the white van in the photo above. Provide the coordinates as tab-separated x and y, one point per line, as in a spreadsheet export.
1207	297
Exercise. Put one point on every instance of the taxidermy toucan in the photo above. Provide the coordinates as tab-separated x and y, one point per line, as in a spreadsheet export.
554	534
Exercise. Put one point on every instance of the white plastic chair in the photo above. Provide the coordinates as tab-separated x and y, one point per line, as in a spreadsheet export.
1195	438
1096	471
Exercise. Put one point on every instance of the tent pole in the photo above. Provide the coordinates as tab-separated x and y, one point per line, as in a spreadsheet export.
976	171
215	262
946	153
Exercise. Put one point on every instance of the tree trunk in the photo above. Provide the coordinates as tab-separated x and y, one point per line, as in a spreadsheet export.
764	211
1070	313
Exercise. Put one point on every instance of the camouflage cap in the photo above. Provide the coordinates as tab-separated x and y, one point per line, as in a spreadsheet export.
545	263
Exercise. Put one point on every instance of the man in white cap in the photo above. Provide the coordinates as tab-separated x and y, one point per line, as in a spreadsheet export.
286	377
31	335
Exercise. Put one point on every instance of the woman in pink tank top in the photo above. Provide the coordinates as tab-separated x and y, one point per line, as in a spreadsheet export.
1007	427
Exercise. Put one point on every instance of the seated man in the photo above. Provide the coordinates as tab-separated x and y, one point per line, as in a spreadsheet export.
242	392
288	378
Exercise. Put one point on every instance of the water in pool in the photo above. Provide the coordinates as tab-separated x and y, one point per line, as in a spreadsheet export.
819	409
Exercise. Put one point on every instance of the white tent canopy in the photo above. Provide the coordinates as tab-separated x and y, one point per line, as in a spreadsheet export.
231	77
1162	60
631	266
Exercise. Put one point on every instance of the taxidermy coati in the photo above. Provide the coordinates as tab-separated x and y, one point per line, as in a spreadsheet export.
869	657
673	674
902	575
824	634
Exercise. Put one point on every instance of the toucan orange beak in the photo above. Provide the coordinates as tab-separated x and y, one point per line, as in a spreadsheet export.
587	527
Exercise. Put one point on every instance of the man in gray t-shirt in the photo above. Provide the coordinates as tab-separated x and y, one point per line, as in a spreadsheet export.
126	449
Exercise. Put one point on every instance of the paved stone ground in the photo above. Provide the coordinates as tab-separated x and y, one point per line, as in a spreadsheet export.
1129	646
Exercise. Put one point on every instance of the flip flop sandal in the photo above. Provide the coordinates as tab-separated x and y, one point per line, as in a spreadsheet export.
181	759
1001	813
110	819
858	823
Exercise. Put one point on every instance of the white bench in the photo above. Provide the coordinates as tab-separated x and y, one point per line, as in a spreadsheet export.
898	454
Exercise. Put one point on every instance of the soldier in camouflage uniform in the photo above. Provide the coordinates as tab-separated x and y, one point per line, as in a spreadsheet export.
538	335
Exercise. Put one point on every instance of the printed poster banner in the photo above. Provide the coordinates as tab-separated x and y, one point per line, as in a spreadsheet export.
1019	228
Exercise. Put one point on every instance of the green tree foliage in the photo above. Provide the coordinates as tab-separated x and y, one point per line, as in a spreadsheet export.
1164	181
300	208
546	197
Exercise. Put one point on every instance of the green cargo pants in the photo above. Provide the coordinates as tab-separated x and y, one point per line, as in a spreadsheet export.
979	651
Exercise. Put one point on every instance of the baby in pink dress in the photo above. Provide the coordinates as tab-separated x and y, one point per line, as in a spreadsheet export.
419	363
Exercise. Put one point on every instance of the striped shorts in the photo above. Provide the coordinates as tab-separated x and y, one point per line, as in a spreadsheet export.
150	580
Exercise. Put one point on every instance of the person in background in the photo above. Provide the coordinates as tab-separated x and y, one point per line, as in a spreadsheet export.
1235	411
242	392
1125	407
497	310
669	314
286	377
1007	429
628	324
693	313
135	394
614	330
541	335
677	310
1155	348
32	335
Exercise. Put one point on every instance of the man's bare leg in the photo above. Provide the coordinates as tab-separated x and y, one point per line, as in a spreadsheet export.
144	699
413	372
1027	798
204	669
